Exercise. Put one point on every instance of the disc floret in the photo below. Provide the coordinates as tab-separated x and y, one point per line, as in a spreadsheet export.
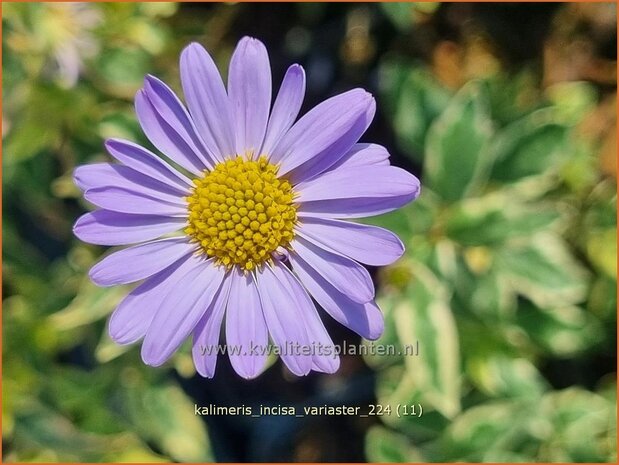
241	212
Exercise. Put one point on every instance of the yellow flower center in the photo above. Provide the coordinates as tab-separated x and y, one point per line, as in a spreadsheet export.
240	212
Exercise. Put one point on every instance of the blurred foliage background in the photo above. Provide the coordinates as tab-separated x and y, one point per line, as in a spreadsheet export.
507	112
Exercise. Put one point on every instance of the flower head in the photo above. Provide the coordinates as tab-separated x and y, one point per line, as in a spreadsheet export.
254	208
62	34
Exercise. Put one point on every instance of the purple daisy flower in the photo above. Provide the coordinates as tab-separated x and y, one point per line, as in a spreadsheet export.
253	207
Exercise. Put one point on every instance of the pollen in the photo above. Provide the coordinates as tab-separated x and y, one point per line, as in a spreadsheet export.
241	212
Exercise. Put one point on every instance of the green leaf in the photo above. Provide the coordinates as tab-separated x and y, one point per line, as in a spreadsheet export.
584	426
91	304
82	395
543	270
32	137
569	426
602	212
495	426
415	99
43	435
389	337
405	14
400	14
395	385
383	445
150	37
158	9
45	429
563	331
513	96
503	376
422	212
427	318
602	251
389	379
494	219
396	221
443	259
529	146
481	289
121	124
456	158
503	456
124	67
164	415
108	350
33	130
415	218
573	99
602	300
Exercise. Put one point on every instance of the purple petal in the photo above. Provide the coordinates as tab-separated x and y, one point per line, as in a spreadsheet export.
136	311
325	160
136	200
363	155
164	136
324	357
286	107
174	113
146	162
95	175
362	181
103	227
206	334
207	100
246	331
364	319
249	89
325	133
346	275
100	175
352	208
357	192
284	320
139	262
367	244
181	309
